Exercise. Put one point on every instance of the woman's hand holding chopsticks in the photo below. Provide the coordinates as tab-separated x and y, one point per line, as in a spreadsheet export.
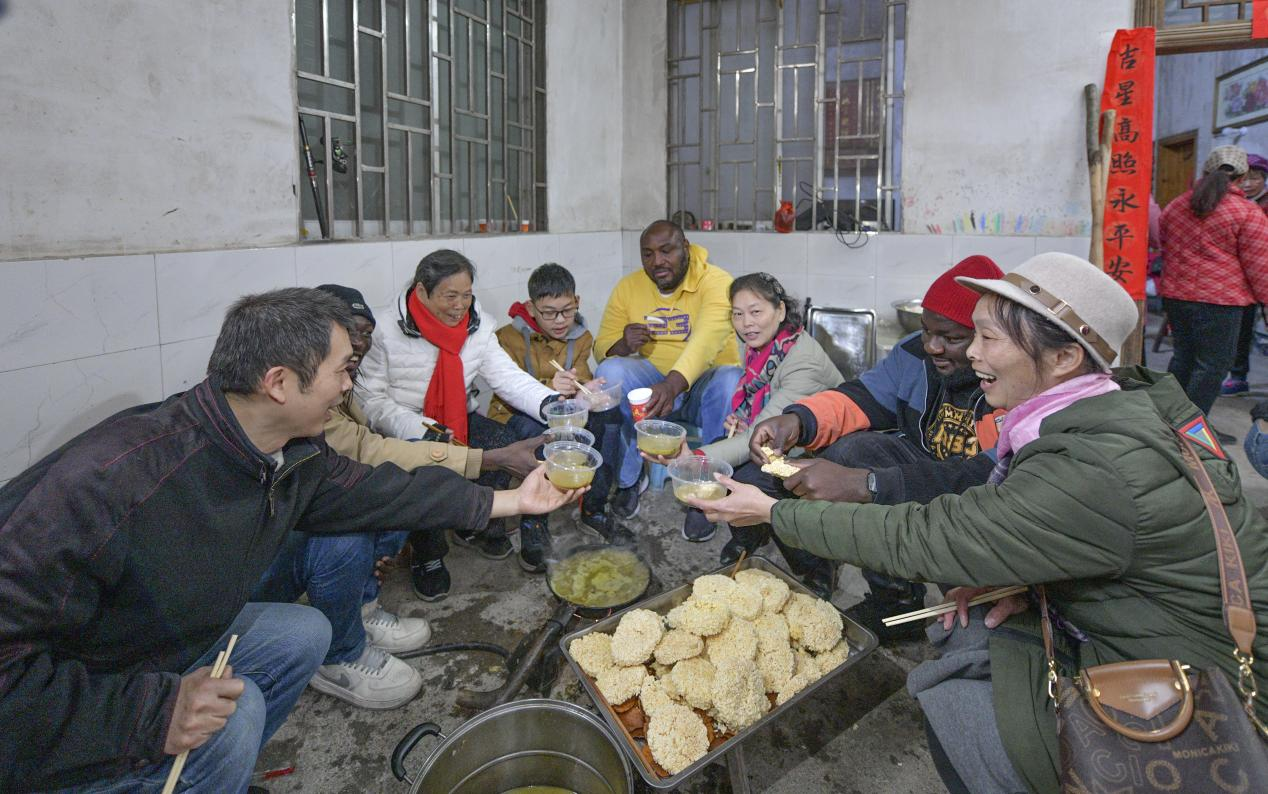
203	706
1003	609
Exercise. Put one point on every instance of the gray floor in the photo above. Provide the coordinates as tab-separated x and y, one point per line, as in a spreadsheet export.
862	735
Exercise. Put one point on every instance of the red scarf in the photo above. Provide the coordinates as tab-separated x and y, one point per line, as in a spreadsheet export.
518	309
759	367
446	399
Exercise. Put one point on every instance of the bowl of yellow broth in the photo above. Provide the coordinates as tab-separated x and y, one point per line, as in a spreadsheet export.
657	437
693	477
570	464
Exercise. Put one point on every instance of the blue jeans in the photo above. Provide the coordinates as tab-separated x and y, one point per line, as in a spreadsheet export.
1256	446
337	572
279	648
706	405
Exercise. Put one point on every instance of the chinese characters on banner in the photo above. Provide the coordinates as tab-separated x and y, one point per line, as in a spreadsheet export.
1129	90
1259	19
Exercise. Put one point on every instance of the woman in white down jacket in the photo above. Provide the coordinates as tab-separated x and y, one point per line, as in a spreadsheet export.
417	379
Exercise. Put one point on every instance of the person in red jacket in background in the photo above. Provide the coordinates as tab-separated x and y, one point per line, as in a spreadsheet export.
1215	248
1255	188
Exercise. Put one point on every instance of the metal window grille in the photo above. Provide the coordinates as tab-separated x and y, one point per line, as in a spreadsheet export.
426	116
1202	12
797	100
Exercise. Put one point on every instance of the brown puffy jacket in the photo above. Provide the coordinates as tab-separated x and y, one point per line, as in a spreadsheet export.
348	434
533	351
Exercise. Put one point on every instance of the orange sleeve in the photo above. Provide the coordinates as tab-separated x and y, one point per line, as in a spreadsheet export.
988	430
835	415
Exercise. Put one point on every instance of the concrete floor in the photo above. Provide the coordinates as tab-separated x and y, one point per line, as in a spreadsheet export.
861	734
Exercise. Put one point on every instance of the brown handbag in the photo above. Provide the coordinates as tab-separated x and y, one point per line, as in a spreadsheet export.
1155	725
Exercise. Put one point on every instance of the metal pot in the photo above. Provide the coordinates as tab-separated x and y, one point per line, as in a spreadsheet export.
525	743
909	313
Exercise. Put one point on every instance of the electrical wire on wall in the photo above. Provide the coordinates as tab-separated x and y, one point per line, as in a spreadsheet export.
813	213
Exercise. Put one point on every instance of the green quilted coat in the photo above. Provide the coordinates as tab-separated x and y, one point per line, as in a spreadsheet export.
1101	509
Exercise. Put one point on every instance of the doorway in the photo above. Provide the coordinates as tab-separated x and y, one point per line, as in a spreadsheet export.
1176	161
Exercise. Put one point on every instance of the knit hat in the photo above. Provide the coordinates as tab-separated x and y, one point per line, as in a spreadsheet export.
354	299
953	301
1257	163
1075	295
1232	156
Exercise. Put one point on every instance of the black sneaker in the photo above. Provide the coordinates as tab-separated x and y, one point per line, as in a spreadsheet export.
696	528
625	500
822	580
872	610
431	579
490	546
534	545
602	524
731	551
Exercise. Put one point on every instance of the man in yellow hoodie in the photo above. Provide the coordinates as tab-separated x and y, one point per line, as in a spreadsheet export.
667	328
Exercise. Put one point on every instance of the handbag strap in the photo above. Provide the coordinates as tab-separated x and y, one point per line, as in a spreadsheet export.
1239	613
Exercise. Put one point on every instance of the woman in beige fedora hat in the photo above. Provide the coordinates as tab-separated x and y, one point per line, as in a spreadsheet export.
1090	496
1215	265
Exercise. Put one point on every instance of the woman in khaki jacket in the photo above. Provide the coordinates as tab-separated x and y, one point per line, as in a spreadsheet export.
782	364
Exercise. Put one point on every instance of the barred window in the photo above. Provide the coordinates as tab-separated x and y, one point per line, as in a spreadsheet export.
423	116
797	100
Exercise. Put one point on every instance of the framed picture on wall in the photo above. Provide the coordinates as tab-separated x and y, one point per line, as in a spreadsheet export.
1241	96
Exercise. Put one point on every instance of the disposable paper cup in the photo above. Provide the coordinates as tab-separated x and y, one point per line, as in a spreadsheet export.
638	402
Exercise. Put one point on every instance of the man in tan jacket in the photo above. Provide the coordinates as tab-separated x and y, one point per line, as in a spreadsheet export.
338	571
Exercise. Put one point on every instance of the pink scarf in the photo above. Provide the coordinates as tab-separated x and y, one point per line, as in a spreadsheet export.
759	367
1021	425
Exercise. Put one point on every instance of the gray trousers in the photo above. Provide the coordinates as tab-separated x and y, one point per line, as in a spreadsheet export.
955	693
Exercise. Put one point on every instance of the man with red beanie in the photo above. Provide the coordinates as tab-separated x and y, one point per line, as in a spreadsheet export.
910	429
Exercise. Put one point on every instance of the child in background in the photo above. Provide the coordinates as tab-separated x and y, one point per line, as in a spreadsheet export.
549	327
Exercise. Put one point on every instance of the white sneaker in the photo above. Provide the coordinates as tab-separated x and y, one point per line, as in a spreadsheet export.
391	633
377	680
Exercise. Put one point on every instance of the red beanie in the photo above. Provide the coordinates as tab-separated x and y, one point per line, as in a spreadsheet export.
956	302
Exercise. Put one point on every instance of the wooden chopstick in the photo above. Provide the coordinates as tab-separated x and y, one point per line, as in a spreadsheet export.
217	669
584	390
441	433
951	606
739	562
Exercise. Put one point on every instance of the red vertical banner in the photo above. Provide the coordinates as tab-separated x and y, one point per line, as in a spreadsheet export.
1129	90
1259	19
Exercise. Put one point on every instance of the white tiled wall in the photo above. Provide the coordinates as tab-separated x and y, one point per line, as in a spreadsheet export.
83	338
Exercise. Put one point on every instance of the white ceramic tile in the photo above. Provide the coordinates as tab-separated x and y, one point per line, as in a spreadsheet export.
1007	252
503	260
496	300
842	292
195	289
363	266
826	255
890	289
1079	246
726	249
922	256
48	405
58	309
185	363
777	254
590	251
407	253
629	251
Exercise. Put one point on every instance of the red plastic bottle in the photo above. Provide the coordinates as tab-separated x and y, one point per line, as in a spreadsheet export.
785	217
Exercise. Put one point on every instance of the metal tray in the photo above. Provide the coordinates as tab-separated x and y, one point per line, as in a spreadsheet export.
861	642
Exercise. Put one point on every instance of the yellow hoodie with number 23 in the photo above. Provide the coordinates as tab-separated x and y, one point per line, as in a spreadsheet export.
696	333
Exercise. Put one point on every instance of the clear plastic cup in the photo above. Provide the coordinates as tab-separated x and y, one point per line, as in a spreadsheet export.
693	477
656	437
571	465
566	413
577	435
603	399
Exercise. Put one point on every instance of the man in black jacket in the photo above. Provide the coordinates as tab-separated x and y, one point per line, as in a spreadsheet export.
127	557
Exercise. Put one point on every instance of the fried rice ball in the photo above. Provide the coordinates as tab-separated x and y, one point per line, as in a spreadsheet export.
737	641
714	585
703	617
772	632
739	694
593	653
776	666
636	637
794	685
619	684
745	601
655	696
830	660
677	645
774	590
677	737
813	624
691	680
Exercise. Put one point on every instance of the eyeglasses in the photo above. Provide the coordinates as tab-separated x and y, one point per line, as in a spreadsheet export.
551	314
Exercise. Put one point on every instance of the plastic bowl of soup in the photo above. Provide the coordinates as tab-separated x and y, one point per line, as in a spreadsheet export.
566	413
693	477
603	399
571	465
657	437
569	433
